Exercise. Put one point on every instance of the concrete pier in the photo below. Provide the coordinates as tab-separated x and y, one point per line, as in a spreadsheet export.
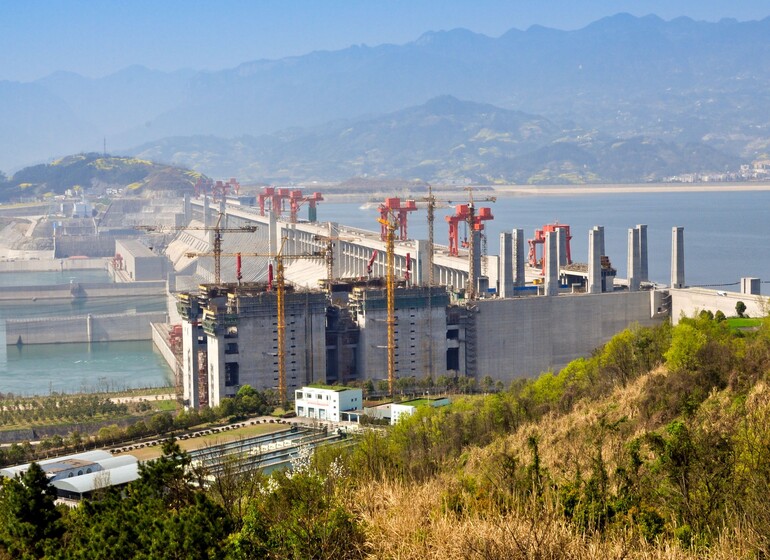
594	261
506	264
551	264
677	257
519	257
644	271
633	270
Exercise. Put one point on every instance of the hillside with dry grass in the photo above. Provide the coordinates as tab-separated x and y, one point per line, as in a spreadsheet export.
656	446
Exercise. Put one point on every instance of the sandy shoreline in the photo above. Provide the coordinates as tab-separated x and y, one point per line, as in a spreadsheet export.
508	191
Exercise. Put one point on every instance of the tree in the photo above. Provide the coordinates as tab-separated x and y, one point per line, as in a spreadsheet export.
740	308
29	521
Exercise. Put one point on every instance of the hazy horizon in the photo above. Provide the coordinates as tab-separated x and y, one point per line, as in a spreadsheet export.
98	39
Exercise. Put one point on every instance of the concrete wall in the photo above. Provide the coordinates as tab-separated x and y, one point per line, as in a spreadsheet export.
88	245
160	341
53	265
67	292
89	328
689	301
523	337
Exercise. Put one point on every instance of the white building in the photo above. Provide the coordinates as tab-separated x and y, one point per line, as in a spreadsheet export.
407	408
325	402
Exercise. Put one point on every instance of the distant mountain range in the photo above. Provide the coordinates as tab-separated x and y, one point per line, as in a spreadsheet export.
622	99
444	139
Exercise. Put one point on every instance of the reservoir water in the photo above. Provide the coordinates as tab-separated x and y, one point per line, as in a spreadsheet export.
727	234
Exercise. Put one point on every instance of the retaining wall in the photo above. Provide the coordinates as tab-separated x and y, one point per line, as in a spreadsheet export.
689	301
522	337
160	341
97	290
52	265
86	328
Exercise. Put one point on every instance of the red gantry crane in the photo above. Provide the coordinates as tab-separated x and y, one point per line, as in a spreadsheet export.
394	207
536	261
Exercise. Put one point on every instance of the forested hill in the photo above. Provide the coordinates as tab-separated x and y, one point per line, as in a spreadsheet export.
96	172
657	446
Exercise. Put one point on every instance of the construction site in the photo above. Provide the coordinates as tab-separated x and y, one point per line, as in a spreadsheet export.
266	298
258	294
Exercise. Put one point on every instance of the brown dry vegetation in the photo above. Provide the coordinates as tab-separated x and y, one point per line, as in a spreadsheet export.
669	463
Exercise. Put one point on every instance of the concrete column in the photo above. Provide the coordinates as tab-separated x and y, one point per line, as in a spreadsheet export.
600	233
519	258
89	328
476	239
750	286
562	236
677	257
505	274
190	392
206	218
594	262
644	273
273	232
187	208
551	264
420	273
633	260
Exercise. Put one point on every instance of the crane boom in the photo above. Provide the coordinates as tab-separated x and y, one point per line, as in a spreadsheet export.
218	231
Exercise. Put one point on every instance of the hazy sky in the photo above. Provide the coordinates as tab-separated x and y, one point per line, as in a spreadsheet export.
98	37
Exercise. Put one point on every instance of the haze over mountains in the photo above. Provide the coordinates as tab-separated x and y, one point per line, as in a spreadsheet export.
623	99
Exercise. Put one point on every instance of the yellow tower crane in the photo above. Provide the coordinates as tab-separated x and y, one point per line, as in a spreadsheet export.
391	224
280	291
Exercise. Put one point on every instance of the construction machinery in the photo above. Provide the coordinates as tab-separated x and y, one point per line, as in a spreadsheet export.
390	224
218	231
222	189
280	290
538	261
297	199
329	255
394	207
467	214
275	200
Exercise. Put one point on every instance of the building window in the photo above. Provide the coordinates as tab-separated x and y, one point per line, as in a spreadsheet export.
231	348
231	374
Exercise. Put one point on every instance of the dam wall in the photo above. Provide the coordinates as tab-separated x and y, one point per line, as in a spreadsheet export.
84	328
522	337
85	290
52	265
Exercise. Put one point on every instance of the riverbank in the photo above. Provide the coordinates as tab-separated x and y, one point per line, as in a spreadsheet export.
509	191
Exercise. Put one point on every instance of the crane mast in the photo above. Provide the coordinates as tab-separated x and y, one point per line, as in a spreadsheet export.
391	225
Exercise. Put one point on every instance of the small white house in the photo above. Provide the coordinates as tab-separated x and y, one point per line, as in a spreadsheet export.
325	402
407	408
